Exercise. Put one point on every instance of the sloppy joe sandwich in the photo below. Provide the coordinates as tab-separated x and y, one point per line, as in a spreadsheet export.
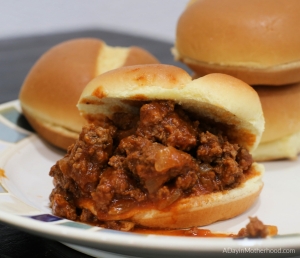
255	41
161	150
53	86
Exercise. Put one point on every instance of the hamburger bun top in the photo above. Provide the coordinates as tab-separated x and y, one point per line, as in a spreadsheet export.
216	96
252	40
53	86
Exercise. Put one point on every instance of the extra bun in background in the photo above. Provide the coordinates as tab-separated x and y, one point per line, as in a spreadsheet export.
281	107
53	85
217	98
255	41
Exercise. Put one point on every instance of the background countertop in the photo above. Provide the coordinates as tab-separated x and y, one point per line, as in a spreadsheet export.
155	19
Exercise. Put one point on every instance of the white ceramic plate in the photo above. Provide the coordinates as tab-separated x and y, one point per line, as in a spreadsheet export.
25	162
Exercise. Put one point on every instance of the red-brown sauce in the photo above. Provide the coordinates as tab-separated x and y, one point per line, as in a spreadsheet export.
271	230
193	232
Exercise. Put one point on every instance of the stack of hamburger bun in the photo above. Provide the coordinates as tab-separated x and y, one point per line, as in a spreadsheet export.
53	86
254	41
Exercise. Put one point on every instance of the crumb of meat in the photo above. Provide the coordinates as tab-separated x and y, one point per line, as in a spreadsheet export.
119	225
61	204
114	183
254	229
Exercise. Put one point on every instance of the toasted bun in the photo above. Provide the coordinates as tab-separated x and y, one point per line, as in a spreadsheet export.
254	41
281	108
53	86
217	96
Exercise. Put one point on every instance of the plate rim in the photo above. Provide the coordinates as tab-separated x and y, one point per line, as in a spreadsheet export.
108	241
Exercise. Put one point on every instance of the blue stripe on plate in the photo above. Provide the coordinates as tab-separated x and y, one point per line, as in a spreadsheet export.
75	225
2	189
10	135
11	114
45	217
15	117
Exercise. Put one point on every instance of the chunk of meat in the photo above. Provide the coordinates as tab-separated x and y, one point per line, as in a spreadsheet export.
228	161
126	124
159	122
254	229
77	174
153	163
61	204
115	184
87	157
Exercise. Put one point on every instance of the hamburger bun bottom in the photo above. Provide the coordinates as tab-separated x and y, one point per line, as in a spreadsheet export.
270	76
206	209
56	135
286	147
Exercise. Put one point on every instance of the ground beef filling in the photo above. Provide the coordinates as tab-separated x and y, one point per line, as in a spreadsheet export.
135	162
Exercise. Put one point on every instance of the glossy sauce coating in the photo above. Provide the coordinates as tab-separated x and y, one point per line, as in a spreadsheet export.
193	232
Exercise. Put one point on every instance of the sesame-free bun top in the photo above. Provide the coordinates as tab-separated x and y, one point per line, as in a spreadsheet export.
217	96
256	41
53	86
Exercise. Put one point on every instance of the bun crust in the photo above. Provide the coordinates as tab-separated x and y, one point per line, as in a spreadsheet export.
254	41
53	86
217	96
